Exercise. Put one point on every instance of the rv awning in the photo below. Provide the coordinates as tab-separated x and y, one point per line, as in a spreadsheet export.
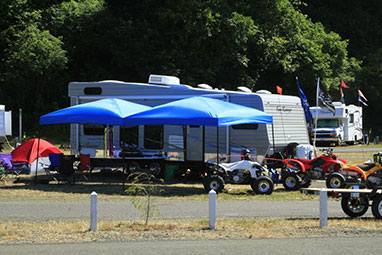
109	111
201	111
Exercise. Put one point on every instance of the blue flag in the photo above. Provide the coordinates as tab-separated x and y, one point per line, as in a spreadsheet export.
304	102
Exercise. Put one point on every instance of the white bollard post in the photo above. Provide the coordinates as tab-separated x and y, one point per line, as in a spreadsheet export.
212	207
323	208
93	211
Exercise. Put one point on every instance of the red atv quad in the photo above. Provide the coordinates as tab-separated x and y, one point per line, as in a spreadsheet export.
304	170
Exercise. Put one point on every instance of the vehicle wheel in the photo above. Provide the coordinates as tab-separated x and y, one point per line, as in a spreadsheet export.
335	181
305	180
134	167
262	185
213	182
376	207
155	169
354	206
291	181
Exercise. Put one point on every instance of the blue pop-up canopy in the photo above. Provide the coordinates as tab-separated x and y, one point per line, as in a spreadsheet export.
109	111
201	111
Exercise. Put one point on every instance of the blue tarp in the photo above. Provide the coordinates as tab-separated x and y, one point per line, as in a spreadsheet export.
201	111
109	111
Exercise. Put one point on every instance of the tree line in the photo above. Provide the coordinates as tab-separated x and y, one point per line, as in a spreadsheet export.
224	43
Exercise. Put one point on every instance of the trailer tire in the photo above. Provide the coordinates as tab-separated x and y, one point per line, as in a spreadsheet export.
376	207
291	181
354	206
335	181
213	182
262	185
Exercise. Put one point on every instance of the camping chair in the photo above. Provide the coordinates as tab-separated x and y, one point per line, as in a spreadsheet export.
54	166
13	167
84	165
66	169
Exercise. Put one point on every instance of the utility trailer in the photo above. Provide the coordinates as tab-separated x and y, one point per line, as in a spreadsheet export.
343	126
354	202
172	141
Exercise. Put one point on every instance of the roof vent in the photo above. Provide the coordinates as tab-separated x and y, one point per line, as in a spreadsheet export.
263	91
204	86
162	79
244	89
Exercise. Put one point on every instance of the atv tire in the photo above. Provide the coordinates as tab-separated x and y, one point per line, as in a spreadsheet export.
213	182
335	181
262	185
291	181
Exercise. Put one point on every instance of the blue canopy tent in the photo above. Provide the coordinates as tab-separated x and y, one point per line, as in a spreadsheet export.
110	111
202	111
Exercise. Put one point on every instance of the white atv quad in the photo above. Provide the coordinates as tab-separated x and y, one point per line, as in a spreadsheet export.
243	171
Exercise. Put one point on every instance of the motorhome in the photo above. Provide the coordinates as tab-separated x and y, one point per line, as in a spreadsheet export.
5	124
344	126
289	120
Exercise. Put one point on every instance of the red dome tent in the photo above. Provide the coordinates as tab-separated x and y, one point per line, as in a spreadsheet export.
27	152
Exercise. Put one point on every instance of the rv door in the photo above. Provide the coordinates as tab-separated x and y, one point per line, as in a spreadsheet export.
194	144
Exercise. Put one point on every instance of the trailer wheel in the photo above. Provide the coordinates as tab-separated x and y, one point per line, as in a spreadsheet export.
335	181
262	185
291	181
155	169
213	182
354	206
376	207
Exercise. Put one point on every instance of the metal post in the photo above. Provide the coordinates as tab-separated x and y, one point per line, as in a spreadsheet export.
323	208
93	211
20	126
212	208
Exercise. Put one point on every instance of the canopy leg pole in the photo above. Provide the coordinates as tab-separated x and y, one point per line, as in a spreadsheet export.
184	143
38	149
204	144
273	138
217	144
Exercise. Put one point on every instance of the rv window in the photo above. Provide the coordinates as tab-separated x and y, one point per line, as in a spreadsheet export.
129	135
93	91
246	126
153	137
351	120
94	129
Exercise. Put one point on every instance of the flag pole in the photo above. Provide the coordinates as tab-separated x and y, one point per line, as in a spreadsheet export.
315	120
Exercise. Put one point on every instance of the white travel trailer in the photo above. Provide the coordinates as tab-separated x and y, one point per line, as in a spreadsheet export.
343	126
288	114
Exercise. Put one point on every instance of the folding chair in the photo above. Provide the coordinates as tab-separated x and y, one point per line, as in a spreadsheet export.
66	169
54	166
84	165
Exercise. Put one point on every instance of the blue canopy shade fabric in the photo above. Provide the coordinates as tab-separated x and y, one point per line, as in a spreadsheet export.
109	111
201	111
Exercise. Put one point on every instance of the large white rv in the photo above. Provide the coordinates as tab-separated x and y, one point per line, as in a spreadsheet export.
289	120
343	126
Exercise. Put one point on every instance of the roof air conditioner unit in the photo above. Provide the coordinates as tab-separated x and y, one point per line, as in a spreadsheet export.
244	89
163	79
204	86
